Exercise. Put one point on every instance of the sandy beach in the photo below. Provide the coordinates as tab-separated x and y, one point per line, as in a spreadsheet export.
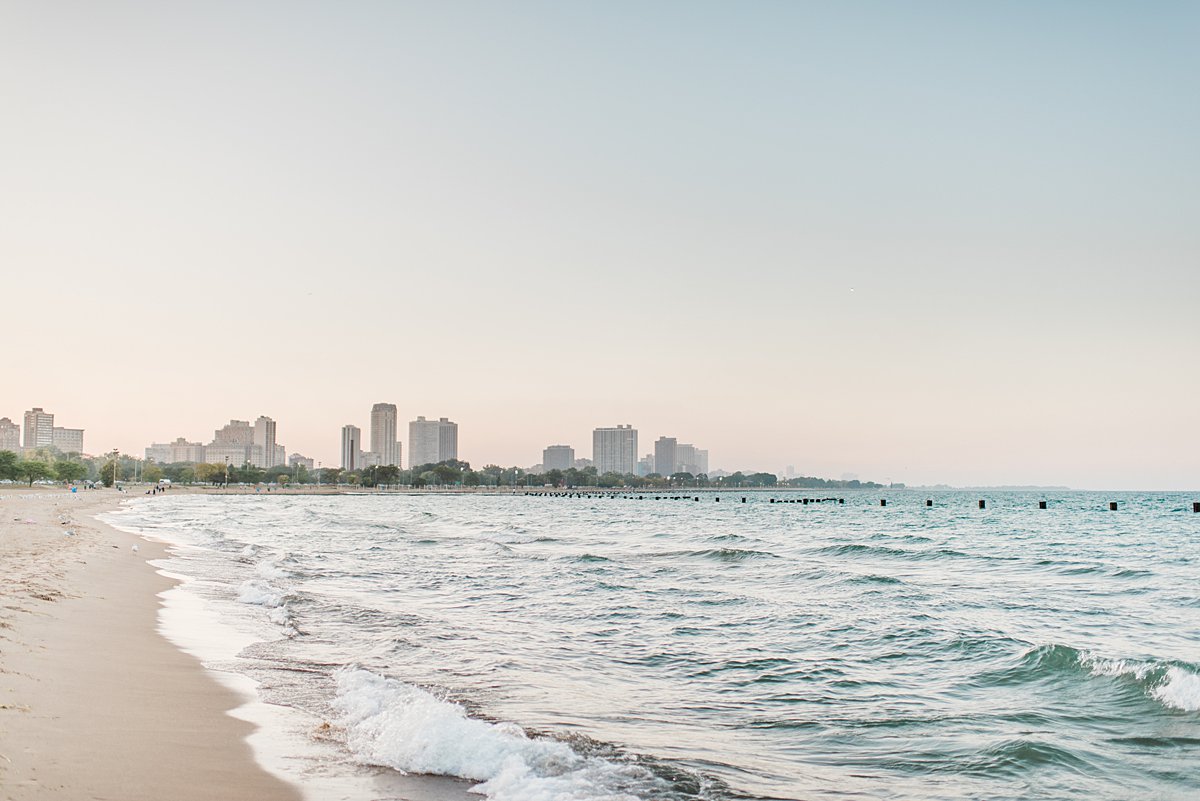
94	703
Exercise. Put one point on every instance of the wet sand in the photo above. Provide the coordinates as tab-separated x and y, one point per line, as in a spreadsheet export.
94	703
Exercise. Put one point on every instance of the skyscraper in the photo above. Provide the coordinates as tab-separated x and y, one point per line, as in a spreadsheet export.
614	450
431	441
558	457
264	453
351	447
39	428
664	455
383	434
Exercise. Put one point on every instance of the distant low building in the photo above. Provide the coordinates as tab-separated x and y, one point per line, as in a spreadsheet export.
68	440
178	451
297	460
10	435
236	455
690	459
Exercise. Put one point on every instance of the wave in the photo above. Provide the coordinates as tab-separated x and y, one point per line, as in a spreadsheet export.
397	725
720	554
855	549
873	579
260	592
1175	685
1016	757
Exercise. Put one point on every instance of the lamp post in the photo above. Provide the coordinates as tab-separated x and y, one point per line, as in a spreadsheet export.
116	475
226	473
318	474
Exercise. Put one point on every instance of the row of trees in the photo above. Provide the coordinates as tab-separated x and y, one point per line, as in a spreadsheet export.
456	473
50	465
40	468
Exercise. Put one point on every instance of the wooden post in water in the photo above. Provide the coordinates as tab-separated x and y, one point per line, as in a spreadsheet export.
928	502
883	501
1041	504
1112	506
982	504
1196	507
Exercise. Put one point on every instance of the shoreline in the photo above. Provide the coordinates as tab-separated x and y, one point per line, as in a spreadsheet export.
94	701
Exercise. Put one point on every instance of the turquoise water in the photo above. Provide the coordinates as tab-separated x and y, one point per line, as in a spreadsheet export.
580	649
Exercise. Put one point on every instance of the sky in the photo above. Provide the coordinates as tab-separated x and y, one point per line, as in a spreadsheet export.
928	242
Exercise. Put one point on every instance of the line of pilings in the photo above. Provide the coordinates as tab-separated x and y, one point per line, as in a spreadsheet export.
1113	506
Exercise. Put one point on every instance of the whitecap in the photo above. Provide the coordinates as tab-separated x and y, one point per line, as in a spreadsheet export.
390	723
1180	690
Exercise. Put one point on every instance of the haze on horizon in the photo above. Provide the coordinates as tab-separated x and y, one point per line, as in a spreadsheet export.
926	242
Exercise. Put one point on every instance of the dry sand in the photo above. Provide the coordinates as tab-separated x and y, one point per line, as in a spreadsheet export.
94	703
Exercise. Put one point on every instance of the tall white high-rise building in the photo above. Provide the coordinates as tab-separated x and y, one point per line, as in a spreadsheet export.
558	457
10	435
432	441
351	447
264	454
39	428
383	434
614	450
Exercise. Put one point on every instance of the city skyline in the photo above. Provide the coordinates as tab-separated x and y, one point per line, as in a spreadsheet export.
244	437
927	243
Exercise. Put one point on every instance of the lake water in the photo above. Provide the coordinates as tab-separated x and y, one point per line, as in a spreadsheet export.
605	649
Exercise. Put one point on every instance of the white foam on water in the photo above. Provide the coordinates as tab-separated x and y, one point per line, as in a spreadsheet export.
270	569
1180	690
1177	688
260	593
397	725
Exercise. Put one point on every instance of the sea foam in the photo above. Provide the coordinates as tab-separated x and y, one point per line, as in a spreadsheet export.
404	727
1172	685
1179	689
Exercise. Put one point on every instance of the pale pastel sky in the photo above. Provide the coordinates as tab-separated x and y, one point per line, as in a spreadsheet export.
924	242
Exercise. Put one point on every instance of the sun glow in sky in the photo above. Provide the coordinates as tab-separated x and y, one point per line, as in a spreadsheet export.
924	242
